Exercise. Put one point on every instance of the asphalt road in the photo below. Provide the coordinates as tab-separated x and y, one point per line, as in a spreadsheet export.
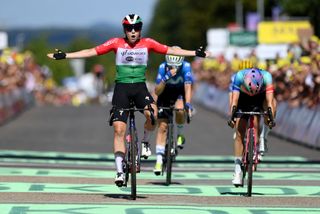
58	160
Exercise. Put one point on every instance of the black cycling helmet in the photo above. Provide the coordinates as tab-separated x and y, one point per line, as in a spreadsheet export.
132	21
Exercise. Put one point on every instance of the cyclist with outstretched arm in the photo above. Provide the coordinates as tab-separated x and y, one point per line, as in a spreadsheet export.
252	88
173	87
132	54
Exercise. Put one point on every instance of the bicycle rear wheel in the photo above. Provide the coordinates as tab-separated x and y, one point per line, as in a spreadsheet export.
250	163
169	155
133	155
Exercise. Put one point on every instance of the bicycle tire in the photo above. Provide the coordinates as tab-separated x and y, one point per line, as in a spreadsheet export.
250	163
126	167
133	154
169	156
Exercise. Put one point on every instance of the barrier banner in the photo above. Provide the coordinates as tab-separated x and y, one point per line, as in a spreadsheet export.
13	102
312	135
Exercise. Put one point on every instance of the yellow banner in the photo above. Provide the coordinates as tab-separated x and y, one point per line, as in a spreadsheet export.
281	31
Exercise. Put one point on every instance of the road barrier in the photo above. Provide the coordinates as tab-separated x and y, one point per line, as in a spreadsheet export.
301	125
13	102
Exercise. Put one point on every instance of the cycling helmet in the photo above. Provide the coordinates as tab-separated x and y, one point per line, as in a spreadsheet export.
173	60
253	80
132	21
244	64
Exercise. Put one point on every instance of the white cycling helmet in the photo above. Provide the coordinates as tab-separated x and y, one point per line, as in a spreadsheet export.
173	60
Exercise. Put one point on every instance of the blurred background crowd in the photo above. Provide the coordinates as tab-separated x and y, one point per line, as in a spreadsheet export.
296	77
24	83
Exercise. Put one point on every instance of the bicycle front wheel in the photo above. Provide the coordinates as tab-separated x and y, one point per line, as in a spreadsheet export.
250	162
133	155
169	155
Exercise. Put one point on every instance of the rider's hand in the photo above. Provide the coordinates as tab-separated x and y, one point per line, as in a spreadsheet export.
200	52
59	55
271	123
170	73
189	109
231	123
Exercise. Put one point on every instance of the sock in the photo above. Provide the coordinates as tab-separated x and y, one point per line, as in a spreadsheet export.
118	160
146	135
266	131
159	152
180	129
262	131
237	161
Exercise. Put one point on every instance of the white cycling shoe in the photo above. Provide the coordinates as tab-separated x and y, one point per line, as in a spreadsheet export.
119	179
237	179
145	150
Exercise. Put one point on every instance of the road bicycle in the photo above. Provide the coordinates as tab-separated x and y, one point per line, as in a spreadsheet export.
171	144
250	157
132	158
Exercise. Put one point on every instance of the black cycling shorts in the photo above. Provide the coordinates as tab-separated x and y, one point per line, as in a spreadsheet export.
251	103
168	97
123	93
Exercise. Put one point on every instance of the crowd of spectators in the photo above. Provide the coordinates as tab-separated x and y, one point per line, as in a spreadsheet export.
23	83
296	77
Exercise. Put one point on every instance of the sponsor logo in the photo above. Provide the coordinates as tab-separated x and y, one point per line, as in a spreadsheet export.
129	58
133	53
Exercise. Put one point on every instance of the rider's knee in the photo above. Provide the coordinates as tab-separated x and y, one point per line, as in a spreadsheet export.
119	130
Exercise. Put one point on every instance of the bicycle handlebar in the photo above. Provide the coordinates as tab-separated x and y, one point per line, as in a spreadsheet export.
271	122
133	109
172	108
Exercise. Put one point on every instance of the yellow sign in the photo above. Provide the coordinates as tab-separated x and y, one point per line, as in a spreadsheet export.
281	31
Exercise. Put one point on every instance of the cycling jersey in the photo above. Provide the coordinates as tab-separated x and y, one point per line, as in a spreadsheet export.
183	76
131	60
238	84
174	88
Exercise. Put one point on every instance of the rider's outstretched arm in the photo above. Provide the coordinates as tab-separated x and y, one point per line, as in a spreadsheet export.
200	52
73	55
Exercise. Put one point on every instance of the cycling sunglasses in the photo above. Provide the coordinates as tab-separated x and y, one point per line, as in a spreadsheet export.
135	27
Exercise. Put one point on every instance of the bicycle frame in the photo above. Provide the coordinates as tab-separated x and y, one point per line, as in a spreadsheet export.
171	144
250	154
132	159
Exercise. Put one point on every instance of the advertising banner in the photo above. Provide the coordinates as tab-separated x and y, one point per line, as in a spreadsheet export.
280	31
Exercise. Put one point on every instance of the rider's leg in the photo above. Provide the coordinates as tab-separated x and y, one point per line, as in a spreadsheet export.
265	128
238	150
148	130
119	149
180	120
161	138
160	144
118	143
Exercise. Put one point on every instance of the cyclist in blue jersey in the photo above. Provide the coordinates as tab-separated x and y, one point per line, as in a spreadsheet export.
173	86
251	88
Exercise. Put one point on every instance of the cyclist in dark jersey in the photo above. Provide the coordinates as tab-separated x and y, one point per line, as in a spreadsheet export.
173	87
132	54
